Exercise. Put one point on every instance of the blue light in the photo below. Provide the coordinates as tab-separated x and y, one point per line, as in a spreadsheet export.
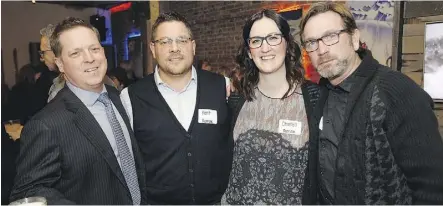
134	34
126	50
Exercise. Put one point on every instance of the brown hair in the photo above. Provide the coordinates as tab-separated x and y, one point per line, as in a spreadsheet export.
67	24
168	17
248	71
323	7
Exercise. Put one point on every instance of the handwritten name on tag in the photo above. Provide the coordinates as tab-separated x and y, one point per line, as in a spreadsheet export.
289	127
207	116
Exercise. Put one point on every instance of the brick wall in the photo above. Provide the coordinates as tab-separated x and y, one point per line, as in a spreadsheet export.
217	26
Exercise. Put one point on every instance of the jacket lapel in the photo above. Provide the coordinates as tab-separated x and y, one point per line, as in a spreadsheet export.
364	73
90	128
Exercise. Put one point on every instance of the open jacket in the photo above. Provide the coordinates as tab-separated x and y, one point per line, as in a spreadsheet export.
390	151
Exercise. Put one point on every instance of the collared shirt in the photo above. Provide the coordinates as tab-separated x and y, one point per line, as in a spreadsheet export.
99	112
330	135
182	103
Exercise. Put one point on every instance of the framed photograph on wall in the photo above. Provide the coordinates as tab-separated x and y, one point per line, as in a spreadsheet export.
433	60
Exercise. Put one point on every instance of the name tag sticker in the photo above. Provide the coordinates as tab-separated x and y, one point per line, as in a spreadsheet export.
320	125
207	116
289	127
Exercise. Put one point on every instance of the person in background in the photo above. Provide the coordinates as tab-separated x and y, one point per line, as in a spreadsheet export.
24	96
9	150
223	70
272	117
378	140
6	95
119	78
234	77
204	65
136	58
52	81
130	75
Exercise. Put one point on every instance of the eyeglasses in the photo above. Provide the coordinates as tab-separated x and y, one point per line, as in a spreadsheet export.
43	52
271	39
328	40
181	41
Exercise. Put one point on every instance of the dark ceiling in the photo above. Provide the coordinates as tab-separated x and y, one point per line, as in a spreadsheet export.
85	4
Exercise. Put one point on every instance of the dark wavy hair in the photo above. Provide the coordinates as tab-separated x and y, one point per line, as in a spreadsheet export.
248	71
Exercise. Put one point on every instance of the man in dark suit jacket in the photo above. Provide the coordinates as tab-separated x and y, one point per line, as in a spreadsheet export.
80	148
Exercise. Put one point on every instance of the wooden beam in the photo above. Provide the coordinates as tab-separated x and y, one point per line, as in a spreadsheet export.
413	29
413	44
431	18
154	12
423	8
412	66
412	63
412	57
397	36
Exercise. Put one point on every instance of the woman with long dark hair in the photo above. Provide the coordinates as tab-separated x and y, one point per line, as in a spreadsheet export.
270	127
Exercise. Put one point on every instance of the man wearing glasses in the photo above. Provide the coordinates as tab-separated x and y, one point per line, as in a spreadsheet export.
52	82
46	54
180	120
49	70
378	136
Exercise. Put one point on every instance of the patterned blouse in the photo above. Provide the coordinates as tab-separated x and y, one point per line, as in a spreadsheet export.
270	153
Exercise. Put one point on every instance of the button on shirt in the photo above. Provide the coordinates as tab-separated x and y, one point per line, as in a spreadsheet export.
330	135
182	103
98	111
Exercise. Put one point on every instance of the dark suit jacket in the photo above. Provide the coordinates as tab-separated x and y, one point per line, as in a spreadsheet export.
66	157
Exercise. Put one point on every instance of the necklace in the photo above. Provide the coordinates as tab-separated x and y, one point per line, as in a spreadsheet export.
293	91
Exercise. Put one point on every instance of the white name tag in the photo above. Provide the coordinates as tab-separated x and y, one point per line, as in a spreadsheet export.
207	116
320	125
289	127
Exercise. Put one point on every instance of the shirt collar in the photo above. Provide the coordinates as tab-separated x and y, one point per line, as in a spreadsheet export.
159	81
87	97
345	85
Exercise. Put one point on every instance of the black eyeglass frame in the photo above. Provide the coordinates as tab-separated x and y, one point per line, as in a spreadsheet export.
265	39
337	34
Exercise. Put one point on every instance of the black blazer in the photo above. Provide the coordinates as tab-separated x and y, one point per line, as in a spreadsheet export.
66	157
